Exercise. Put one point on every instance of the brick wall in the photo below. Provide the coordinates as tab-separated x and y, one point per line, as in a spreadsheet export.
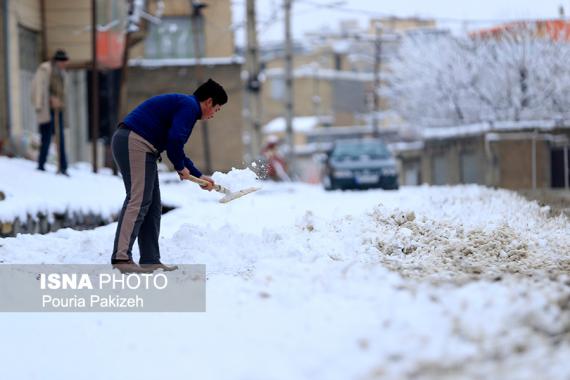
225	129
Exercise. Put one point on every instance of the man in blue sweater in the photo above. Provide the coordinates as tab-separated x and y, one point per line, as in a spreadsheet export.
163	122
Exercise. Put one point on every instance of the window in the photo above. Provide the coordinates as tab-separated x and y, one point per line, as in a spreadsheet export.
110	14
29	53
470	168
278	88
29	49
173	38
412	172
440	170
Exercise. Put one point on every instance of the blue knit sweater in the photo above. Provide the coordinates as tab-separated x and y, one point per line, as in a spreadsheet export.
166	121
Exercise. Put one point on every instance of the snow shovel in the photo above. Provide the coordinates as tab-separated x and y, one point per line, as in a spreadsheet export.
228	194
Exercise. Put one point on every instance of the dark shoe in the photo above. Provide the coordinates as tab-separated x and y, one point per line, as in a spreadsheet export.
41	169
129	266
153	267
64	173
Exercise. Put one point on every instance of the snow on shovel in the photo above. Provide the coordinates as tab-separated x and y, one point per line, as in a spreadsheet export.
229	195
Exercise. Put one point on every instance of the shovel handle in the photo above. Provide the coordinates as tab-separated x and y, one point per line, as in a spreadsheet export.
228	195
203	182
199	181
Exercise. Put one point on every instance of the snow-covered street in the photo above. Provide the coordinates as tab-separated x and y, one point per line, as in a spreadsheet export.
424	282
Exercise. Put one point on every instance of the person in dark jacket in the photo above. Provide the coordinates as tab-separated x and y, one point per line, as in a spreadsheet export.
163	122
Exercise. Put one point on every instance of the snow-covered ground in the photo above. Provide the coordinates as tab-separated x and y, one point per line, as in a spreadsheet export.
426	282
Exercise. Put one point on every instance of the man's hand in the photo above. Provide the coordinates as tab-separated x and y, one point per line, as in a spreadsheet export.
185	174
55	103
210	184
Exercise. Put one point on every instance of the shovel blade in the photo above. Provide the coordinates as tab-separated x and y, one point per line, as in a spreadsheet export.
238	194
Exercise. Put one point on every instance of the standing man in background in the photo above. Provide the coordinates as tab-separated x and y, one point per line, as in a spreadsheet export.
48	94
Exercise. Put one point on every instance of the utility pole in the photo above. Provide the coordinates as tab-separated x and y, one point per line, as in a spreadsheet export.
376	89
44	30
253	86
289	88
130	28
197	27
533	158
7	70
94	86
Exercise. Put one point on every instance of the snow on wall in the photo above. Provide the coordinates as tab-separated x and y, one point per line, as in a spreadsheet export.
164	62
301	124
482	128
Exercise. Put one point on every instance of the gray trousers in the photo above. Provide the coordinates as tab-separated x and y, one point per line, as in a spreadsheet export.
140	215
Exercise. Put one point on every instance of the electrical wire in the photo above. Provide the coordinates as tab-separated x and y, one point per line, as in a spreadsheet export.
345	9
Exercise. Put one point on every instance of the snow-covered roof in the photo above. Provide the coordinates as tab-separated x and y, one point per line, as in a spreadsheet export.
341	47
165	62
481	128
301	124
309	71
402	146
312	148
350	130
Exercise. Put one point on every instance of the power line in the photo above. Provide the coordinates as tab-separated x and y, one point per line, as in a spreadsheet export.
368	12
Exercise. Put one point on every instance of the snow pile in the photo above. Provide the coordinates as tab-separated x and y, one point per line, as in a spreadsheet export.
426	282
31	192
237	179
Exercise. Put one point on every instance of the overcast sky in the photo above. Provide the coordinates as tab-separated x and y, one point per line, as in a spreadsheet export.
311	15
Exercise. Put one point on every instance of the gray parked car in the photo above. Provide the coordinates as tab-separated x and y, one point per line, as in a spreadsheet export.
360	164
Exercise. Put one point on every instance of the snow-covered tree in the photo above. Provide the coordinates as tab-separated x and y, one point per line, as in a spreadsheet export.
439	79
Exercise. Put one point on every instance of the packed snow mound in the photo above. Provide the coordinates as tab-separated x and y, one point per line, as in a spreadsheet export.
441	251
420	247
237	179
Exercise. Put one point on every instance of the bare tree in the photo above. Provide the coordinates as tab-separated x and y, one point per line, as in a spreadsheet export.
439	79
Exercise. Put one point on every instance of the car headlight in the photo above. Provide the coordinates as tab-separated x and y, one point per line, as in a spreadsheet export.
389	171
343	173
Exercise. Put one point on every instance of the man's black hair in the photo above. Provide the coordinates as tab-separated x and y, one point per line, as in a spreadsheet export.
211	89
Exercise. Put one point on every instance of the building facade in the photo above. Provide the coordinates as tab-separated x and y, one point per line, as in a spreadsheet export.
523	155
37	28
334	73
189	46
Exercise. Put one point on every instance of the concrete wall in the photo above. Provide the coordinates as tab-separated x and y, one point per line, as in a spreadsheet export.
304	89
515	163
68	26
324	57
225	129
506	163
343	99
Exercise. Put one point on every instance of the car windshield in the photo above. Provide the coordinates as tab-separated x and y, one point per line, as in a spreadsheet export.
372	149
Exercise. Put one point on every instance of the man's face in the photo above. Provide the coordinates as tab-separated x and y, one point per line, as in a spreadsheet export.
61	64
209	109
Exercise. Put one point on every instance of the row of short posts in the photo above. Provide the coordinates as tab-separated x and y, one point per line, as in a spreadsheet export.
41	224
